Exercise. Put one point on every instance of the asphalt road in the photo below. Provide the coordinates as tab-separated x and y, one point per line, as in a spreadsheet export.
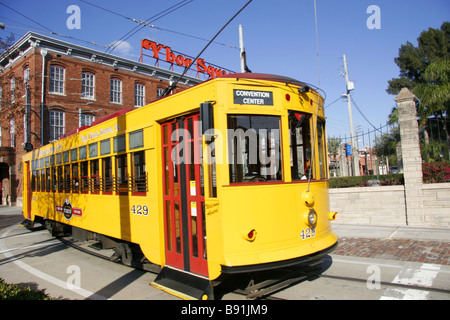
34	258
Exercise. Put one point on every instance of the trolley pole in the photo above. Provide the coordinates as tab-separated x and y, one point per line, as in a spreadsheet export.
241	48
355	155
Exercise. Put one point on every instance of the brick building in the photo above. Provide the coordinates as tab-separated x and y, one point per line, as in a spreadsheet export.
49	88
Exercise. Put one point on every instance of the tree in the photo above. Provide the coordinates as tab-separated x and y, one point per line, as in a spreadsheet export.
433	44
386	145
5	44
425	70
434	93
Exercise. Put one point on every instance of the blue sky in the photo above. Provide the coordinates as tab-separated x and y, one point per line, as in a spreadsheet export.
279	35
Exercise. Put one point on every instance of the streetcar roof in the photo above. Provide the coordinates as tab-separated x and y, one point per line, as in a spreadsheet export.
267	77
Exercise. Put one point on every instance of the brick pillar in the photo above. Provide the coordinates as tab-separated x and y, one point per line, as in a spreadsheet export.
412	159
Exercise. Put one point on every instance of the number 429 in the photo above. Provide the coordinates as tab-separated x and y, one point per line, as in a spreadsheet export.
139	210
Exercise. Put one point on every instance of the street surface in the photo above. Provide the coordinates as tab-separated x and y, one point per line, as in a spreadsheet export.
34	258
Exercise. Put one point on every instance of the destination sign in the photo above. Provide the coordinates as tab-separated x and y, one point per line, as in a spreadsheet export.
262	98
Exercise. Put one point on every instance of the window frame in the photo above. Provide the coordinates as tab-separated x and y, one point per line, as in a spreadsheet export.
57	80
115	90
88	85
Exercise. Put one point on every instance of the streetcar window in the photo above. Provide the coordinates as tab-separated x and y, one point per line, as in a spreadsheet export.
54	178
66	181
66	156
95	176
60	178
75	180
105	147
300	145
322	149
47	179
136	139
254	148
119	143
93	150
83	153
33	180
107	175
58	158
42	179
139	182
73	155
121	174
84	178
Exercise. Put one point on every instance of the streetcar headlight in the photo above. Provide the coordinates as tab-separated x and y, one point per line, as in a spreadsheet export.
312	218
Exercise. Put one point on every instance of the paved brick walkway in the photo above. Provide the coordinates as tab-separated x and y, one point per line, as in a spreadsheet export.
436	252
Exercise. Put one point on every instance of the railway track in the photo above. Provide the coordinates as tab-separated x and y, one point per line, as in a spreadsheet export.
261	289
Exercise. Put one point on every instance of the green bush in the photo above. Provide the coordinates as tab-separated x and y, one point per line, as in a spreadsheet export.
14	292
364	181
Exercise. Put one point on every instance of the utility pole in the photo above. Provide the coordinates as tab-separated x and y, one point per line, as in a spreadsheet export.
355	153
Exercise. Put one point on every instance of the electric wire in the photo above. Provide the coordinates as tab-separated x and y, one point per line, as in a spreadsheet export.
47	30
26	17
173	85
362	114
152	19
149	24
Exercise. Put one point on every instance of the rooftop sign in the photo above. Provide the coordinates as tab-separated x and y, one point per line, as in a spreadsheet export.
181	60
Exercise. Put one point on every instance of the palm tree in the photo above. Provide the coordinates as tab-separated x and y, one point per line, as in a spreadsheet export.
434	93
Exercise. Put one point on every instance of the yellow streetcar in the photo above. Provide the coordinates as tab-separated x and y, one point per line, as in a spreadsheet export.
225	178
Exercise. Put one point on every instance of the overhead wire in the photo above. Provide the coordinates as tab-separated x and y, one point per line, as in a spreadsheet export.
26	17
147	23
47	30
174	84
152	19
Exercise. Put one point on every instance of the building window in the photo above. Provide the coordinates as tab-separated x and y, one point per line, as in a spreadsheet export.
56	79
87	85
159	92
26	78
116	90
56	124
12	132
86	119
139	95
13	89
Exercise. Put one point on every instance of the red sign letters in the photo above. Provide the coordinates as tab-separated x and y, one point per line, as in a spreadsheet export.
181	60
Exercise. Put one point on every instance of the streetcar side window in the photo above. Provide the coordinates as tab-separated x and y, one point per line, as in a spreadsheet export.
121	174
254	150
322	149
107	180
139	176
300	145
95	176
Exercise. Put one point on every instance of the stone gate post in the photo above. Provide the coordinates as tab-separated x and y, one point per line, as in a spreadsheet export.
412	159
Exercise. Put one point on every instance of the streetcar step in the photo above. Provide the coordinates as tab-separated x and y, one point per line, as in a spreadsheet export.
184	285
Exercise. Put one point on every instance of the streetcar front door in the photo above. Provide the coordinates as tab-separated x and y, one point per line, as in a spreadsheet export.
184	219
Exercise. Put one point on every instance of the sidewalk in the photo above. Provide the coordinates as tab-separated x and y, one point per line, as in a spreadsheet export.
403	243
